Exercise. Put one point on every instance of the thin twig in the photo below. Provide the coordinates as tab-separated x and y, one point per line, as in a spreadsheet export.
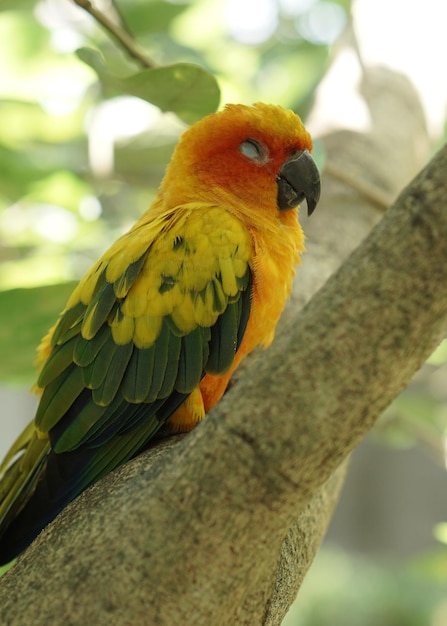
371	193
120	17
124	40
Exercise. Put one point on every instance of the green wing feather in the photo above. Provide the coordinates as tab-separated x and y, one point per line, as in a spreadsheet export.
168	303
143	327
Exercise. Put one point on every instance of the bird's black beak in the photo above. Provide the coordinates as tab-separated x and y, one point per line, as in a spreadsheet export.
298	179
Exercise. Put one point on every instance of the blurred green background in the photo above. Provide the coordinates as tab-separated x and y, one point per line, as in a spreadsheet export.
85	134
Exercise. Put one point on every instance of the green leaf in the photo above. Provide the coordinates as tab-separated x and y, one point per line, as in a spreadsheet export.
183	88
25	317
186	89
150	17
95	60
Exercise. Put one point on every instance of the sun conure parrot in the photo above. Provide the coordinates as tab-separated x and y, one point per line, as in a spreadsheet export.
153	332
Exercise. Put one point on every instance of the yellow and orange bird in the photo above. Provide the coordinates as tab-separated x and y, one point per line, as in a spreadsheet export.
154	331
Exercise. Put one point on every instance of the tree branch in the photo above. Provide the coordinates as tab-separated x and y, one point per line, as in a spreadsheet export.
193	530
119	34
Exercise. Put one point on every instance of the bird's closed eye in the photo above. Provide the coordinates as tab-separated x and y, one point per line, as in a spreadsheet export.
253	150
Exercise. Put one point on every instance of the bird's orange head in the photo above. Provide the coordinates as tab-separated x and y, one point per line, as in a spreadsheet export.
254	159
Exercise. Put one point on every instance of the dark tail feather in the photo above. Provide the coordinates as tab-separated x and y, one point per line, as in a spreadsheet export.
23	529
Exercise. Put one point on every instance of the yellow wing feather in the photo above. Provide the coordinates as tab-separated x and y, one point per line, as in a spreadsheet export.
186	250
184	270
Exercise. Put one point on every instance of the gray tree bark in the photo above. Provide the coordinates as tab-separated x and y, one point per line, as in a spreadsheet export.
220	526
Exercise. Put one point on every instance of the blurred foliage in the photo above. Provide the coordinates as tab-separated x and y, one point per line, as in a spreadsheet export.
419	414
5	568
343	590
16	333
86	130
